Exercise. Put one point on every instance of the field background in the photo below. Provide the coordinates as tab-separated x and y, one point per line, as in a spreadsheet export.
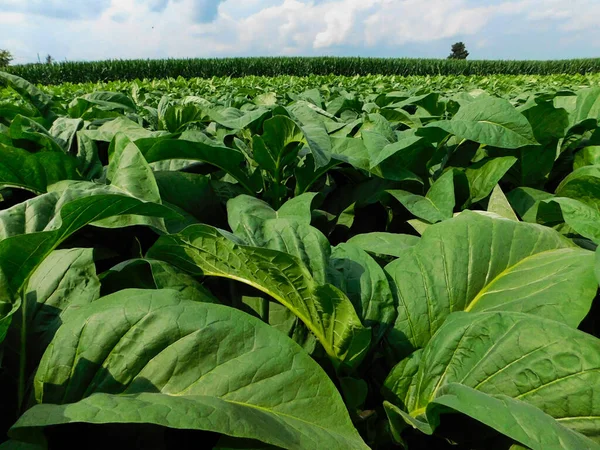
345	247
75	72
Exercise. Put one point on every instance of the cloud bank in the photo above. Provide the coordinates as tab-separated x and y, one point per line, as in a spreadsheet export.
101	29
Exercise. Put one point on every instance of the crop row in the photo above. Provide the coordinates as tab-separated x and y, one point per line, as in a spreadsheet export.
251	264
79	72
227	91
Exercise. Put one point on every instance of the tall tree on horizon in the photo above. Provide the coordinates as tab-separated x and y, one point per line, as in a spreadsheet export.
5	58
459	51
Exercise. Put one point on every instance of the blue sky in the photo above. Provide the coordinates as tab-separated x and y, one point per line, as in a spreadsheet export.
104	29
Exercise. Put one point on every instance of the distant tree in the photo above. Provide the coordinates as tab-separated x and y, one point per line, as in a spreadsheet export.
5	58
49	59
459	51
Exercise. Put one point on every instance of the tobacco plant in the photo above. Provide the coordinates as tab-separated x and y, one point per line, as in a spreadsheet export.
333	268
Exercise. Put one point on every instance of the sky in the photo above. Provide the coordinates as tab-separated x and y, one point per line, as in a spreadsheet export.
124	29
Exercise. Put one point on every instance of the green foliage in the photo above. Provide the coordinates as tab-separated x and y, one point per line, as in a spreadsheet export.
5	58
301	263
81	72
459	51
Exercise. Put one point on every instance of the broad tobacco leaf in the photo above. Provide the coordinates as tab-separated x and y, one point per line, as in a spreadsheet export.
205	251
490	121
287	230
478	262
526	201
484	175
513	418
40	100
64	131
437	205
30	230
222	157
153	357
279	144
503	359
35	171
582	184
366	285
587	108
583	219
129	172
65	279
153	274
500	205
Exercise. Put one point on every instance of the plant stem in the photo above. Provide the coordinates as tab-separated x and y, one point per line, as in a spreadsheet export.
277	202
22	356
264	309
235	298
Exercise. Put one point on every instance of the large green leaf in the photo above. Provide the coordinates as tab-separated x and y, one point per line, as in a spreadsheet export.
548	122
500	205
102	100
42	102
490	121
279	144
178	117
287	230
437	205
535	360
128	172
30	230
516	419
246	214
526	201
154	357
191	192
64	131
392	157
88	158
484	175
224	158
587	107
389	244
24	128
318	141
476	262
35	171
582	184
587	156
326	311
64	279
236	119
354	152
382	149
133	130
365	283
153	274
582	218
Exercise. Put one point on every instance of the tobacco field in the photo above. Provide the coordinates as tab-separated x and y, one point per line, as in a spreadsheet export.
319	262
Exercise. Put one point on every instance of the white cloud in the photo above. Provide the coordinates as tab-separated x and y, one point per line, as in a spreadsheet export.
397	23
310	26
340	20
101	29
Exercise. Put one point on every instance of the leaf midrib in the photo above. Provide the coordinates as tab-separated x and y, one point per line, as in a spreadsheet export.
506	271
307	320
